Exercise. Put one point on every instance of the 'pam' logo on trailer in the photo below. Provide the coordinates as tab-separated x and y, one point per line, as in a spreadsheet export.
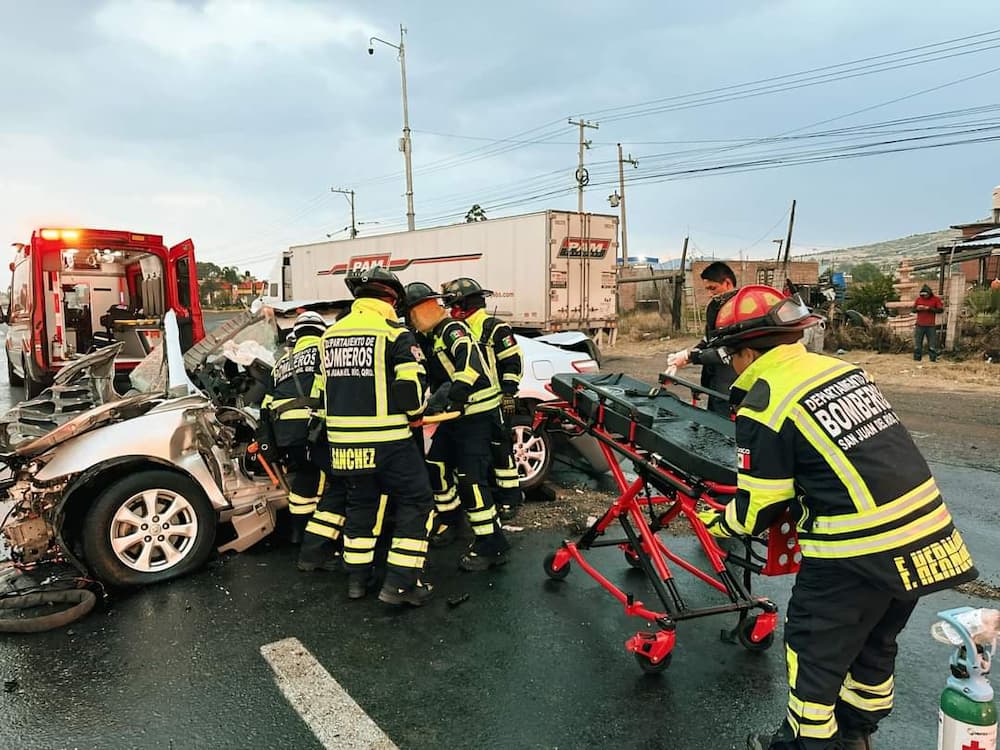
385	260
578	247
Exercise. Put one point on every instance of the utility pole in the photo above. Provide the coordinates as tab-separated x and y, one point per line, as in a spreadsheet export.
621	185
788	239
780	242
582	176
350	199
678	306
405	143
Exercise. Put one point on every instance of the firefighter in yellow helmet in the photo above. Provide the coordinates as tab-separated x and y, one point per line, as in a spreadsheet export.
815	434
467	300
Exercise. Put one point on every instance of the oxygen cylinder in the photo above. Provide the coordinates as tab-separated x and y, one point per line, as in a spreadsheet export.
967	717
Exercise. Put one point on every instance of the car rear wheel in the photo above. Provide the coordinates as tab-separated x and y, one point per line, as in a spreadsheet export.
532	452
149	527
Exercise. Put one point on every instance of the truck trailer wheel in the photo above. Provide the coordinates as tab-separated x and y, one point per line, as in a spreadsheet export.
149	527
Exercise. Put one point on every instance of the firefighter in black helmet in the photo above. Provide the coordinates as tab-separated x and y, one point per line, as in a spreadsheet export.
467	300
459	458
374	383
293	396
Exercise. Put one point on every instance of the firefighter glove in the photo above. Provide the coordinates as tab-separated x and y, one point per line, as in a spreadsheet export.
438	401
715	522
508	405
678	359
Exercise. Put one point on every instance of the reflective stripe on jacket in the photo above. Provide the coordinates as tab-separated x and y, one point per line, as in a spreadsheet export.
457	357
372	376
813	432
502	351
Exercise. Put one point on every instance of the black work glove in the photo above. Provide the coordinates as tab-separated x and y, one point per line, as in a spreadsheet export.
508	405
438	402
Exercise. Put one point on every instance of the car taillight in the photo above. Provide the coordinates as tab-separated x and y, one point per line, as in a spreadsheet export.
585	365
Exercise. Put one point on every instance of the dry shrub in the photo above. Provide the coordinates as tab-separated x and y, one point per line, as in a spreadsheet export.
643	326
879	338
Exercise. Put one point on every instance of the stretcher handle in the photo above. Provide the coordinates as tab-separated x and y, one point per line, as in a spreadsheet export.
666	379
444	416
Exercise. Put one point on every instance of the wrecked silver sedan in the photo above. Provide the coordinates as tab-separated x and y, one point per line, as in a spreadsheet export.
141	487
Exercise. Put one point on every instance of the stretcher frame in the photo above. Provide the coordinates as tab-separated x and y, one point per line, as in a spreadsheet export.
641	514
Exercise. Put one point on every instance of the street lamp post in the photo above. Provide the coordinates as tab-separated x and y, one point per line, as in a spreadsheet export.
405	143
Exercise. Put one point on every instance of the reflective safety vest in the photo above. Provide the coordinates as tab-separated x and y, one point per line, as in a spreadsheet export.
813	432
296	390
456	357
502	351
373	379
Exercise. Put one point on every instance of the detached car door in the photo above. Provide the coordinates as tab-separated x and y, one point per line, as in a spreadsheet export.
183	293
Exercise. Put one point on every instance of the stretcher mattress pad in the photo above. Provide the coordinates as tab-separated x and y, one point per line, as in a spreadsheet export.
699	443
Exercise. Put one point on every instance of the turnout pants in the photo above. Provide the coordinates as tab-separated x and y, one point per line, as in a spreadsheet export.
323	536
307	480
459	463
505	483
840	641
919	334
398	487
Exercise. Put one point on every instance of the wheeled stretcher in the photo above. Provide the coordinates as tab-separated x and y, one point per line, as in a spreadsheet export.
682	457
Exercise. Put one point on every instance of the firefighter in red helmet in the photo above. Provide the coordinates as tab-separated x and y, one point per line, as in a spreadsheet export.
815	434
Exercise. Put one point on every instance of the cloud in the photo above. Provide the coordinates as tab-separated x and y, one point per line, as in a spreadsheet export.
234	28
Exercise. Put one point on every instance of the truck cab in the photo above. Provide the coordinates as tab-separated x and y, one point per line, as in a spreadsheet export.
76	290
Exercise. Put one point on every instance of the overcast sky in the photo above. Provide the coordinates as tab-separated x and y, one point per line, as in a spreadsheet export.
229	121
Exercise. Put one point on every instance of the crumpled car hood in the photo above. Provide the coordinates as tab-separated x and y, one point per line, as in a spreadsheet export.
77	389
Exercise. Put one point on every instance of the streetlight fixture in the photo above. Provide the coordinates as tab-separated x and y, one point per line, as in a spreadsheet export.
405	144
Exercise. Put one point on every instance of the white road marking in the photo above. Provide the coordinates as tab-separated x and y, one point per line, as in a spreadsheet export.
337	721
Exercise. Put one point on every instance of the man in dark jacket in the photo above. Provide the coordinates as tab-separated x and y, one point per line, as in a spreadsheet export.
927	307
717	374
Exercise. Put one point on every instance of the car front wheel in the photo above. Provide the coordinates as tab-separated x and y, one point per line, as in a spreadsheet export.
152	526
532	452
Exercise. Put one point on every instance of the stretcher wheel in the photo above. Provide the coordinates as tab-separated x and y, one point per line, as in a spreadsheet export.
551	572
632	557
649	667
743	632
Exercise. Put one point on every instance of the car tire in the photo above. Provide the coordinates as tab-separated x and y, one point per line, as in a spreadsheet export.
532	452
116	545
12	377
32	387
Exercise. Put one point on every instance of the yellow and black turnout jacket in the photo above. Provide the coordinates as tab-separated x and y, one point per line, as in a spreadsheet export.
813	432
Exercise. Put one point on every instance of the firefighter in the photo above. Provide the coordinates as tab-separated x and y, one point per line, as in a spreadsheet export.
322	544
467	300
814	434
374	382
460	457
293	395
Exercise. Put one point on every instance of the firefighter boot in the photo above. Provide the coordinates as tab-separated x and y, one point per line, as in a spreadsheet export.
357	584
332	564
485	553
415	595
856	741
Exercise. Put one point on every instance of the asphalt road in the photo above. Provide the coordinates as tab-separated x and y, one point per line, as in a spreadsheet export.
523	663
